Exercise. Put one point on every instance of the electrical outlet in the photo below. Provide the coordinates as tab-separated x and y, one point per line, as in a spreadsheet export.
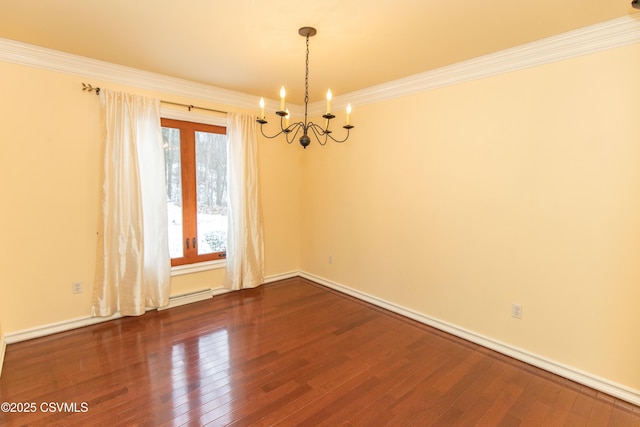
76	287
516	311
330	259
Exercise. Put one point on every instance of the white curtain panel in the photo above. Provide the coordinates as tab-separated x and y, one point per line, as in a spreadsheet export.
133	266
245	242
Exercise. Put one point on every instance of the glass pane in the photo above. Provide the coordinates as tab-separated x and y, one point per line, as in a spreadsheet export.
173	179
211	192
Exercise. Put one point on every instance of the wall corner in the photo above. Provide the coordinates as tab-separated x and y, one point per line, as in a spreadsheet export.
3	346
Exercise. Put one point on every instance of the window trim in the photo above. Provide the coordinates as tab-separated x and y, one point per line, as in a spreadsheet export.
216	119
191	264
196	267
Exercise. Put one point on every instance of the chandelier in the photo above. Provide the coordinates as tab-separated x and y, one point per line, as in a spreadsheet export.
291	131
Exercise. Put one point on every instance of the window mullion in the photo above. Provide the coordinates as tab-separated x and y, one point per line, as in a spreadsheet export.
187	147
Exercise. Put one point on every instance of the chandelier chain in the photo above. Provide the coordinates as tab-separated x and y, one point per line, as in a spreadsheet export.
306	83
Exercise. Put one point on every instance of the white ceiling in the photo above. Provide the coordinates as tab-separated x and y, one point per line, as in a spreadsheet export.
253	46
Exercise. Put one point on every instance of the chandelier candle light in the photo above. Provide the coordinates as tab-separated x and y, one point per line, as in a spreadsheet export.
290	131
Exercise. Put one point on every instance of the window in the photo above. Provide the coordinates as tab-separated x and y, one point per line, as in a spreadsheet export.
196	178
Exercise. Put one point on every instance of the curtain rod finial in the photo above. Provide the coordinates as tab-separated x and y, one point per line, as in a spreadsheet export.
89	88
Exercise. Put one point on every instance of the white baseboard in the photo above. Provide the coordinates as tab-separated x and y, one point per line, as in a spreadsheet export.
3	347
601	384
174	301
79	322
283	276
54	328
604	385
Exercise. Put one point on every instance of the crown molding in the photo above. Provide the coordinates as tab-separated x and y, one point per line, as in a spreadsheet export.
87	68
603	36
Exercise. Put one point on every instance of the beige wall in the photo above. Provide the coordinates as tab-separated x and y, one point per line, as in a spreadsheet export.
49	167
522	187
455	203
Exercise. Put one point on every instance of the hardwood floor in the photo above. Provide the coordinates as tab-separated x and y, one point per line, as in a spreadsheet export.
287	353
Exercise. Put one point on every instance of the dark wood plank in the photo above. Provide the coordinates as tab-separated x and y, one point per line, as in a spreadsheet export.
287	353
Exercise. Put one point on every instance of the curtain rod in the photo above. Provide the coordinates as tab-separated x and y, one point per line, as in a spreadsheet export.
89	88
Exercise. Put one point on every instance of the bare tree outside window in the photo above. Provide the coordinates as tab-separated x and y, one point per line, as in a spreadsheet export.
211	174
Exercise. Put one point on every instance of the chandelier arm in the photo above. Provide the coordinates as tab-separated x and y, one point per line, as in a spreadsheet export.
340	140
328	134
267	136
282	127
295	126
292	131
319	132
317	129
